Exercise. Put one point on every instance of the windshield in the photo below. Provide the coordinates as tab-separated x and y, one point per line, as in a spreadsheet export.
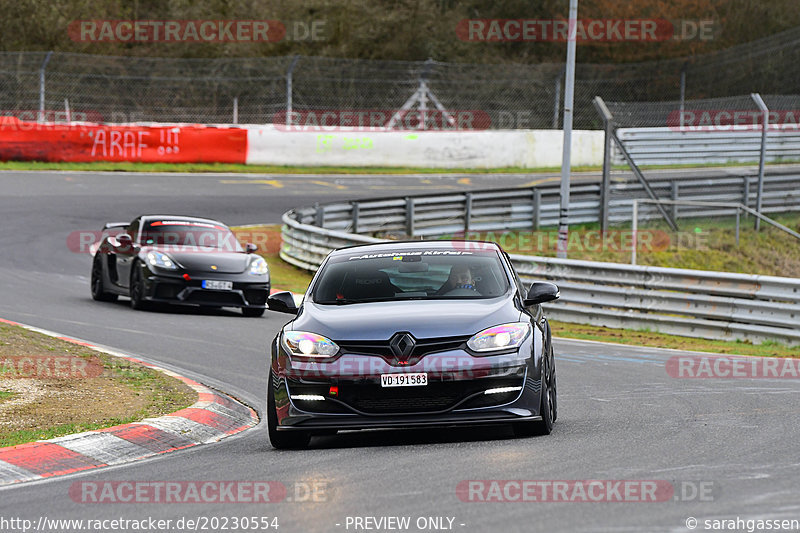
418	274
189	234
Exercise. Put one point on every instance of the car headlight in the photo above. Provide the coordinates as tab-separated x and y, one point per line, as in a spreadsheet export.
306	344
161	260
258	266
502	337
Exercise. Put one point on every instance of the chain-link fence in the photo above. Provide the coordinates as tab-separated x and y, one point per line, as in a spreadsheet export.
256	90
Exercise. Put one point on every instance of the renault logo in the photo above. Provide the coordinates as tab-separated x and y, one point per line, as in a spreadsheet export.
402	344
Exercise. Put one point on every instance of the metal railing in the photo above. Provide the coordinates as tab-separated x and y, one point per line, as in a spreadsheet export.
738	208
508	209
694	303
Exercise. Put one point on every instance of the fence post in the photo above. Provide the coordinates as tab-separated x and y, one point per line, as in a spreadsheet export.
235	109
67	112
41	84
764	127
409	216
557	99
537	207
605	188
289	76
683	90
467	211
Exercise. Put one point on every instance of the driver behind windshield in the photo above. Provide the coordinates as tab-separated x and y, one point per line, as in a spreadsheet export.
460	278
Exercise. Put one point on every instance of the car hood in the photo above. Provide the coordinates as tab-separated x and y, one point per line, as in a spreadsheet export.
201	259
422	318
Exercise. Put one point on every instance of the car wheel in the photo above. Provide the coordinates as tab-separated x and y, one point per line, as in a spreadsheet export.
281	440
252	311
137	289
547	407
98	286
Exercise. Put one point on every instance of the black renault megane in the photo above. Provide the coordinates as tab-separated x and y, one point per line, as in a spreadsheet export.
411	334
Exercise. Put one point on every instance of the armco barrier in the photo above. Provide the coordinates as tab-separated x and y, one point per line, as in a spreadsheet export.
694	303
671	146
85	142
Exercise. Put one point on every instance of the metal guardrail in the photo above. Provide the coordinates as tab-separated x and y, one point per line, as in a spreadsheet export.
508	209
670	146
694	303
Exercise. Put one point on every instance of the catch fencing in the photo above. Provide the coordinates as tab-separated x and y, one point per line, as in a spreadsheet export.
252	90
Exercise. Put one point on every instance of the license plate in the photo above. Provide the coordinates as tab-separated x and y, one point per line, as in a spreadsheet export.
217	285
404	380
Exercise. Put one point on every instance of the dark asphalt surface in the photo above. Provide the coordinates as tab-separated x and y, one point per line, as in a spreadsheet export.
621	417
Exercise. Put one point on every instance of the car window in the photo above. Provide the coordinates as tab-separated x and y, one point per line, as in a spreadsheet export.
189	233
410	275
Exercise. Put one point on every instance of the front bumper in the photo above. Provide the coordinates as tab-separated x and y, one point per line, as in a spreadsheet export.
455	394
245	293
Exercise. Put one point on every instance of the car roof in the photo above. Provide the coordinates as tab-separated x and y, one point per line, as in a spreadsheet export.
395	246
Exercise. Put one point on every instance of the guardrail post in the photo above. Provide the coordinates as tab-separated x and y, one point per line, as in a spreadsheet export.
764	127
537	208
675	187
355	216
746	191
634	229
409	216
737	226
319	214
467	211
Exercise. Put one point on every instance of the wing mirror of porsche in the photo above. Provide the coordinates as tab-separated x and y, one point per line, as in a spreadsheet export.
250	248
540	292
283	302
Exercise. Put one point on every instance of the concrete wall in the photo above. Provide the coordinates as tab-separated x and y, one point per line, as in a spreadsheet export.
438	149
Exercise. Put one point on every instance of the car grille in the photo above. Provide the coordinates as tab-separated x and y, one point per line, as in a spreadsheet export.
423	346
214	298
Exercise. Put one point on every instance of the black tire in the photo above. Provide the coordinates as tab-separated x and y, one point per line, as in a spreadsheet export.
281	440
98	285
253	312
548	406
137	288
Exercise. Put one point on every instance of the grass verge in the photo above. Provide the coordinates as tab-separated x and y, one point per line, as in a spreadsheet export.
54	388
279	169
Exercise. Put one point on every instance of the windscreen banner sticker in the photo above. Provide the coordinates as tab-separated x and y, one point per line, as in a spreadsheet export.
399	257
185	223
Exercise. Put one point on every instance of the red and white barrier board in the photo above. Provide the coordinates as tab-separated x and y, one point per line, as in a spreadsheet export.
271	145
85	142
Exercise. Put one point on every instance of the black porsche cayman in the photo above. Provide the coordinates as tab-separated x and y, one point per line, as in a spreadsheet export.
409	334
179	260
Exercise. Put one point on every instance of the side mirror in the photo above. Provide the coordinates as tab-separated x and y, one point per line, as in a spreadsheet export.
250	248
283	302
124	239
540	292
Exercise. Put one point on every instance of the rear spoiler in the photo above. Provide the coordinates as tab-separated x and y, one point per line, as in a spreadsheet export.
111	225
